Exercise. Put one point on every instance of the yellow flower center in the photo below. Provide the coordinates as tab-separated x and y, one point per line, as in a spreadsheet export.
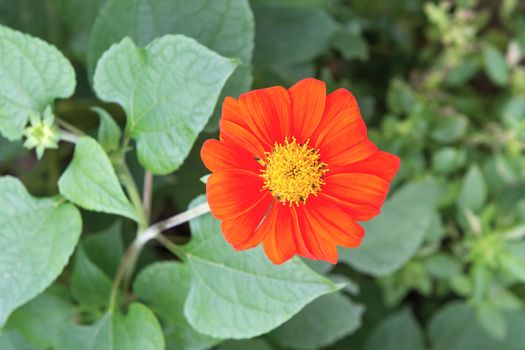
293	172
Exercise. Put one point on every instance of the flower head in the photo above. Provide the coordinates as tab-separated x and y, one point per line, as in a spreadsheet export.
42	133
295	171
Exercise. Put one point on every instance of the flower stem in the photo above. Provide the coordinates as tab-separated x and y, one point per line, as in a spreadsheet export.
68	137
70	127
131	188
147	193
154	230
129	260
127	263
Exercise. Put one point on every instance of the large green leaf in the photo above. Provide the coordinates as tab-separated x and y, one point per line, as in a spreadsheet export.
319	324
224	26
454	327
290	35
398	331
151	286
138	330
40	320
252	344
258	295
79	17
90	181
37	237
32	74
394	236
12	340
168	90
89	285
105	248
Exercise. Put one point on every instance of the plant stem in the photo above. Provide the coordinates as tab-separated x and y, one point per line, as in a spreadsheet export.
70	127
129	183
169	245
176	220
147	193
68	137
126	263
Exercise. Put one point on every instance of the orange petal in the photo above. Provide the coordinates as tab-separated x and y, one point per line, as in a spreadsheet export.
382	164
300	242
357	211
232	193
353	154
279	242
308	98
268	113
318	247
330	222
233	112
342	133
236	135
240	231
336	102
357	188
221	156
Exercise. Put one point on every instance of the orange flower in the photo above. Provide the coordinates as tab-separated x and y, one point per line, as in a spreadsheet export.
294	169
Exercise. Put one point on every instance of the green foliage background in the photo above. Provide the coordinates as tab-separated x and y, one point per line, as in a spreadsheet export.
440	83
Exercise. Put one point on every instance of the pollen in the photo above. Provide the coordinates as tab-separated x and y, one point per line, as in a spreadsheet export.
292	172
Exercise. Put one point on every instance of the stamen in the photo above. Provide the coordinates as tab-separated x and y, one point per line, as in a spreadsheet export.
293	172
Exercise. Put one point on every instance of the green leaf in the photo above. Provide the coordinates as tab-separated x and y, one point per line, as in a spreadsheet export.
453	328
32	75
495	66
168	303
163	118
12	340
319	324
492	320
90	181
293	3
473	194
251	344
351	45
105	248
138	330
442	265
109	133
37	237
258	295
403	224
399	330
89	285
78	17
513	111
448	130
512	266
224	26
448	159
280	34
401	98
40	320
517	248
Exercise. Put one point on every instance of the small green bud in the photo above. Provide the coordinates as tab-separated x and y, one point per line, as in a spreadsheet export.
42	132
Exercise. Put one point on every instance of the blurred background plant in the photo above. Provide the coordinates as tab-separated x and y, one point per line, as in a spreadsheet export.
441	84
